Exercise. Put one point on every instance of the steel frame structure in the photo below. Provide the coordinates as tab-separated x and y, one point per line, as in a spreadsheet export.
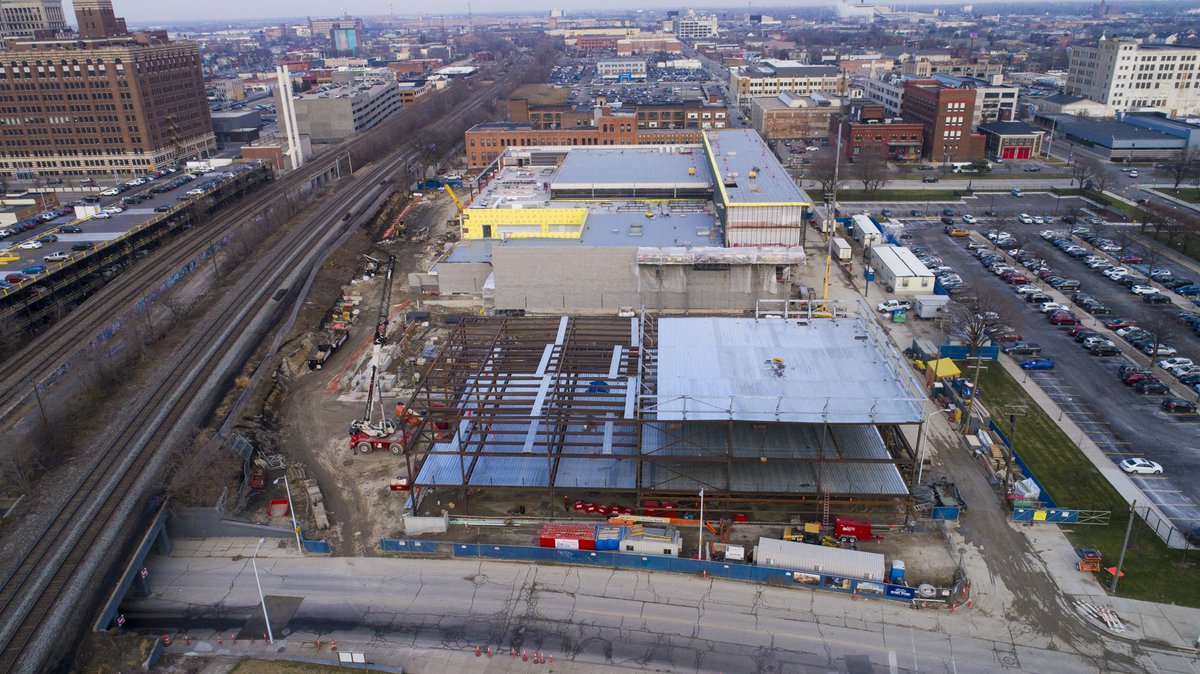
549	390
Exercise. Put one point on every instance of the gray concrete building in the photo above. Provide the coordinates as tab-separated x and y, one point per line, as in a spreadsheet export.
332	113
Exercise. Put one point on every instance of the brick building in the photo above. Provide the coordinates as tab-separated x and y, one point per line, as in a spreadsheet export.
945	114
108	102
1012	140
793	116
870	131
485	142
545	107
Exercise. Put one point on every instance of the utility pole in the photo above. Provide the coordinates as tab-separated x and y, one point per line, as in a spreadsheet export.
1124	546
1014	412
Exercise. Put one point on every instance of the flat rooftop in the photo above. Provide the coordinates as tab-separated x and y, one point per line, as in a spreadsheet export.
736	153
746	369
651	167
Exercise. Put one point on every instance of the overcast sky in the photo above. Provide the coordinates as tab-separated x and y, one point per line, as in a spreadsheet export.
167	11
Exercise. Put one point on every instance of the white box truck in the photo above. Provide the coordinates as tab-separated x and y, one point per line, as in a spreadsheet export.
841	249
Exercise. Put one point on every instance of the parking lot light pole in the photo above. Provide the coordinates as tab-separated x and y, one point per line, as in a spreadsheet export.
292	509
262	600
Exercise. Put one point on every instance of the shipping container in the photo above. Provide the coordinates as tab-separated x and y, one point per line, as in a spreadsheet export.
841	249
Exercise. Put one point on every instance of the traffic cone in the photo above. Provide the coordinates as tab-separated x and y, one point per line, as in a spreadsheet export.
489	651
524	656
318	644
166	639
265	639
970	602
187	641
218	638
514	654
552	658
477	652
332	646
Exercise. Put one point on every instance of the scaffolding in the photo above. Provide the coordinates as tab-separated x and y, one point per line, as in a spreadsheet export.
571	405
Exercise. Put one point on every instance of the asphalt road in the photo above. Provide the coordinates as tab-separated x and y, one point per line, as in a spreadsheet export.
1121	422
408	609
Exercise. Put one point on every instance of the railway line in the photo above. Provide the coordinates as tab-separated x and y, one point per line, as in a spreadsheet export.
56	573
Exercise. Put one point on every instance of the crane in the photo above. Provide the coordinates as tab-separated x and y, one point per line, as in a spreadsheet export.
454	196
372	425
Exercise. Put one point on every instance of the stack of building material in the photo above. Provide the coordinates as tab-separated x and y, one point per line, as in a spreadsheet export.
568	536
608	537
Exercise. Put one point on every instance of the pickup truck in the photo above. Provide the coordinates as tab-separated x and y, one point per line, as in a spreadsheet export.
894	305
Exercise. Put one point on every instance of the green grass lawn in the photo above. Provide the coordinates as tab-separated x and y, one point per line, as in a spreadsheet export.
1188	194
1153	571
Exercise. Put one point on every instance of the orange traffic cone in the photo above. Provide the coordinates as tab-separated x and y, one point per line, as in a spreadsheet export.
332	646
524	656
477	652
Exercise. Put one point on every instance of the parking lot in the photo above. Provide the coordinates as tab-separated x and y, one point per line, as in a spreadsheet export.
1088	388
15	259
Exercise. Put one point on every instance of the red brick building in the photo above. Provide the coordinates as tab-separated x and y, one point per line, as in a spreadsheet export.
945	115
869	131
485	142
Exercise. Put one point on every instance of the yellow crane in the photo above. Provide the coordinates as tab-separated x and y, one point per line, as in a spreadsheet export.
454	196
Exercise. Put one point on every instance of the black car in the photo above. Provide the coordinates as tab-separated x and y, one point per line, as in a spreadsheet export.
1150	387
1084	334
887	212
916	214
82	245
1104	350
70	229
1037	298
947	211
162	209
928	179
947	220
1156	298
48	238
1178	405
1022	348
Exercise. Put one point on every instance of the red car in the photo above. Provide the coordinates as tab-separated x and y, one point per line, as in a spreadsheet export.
1130	259
1118	323
1017	279
1007	337
15	277
1064	318
1136	376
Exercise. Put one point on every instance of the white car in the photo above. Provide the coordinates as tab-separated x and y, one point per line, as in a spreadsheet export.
195	193
1141	466
1184	370
1159	350
1026	290
102	215
1039	220
1099	264
1047	307
1025	219
32	244
1096	341
1143	290
1133	173
1048	234
113	210
969	219
894	305
112	192
1169	363
56	257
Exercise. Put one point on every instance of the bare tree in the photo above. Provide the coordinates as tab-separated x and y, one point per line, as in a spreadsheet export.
1183	166
823	170
870	168
1081	171
1099	175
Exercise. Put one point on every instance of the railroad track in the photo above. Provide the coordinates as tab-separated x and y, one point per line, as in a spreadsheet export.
44	356
58	562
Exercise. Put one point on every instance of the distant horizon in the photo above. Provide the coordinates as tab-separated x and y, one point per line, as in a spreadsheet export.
217	11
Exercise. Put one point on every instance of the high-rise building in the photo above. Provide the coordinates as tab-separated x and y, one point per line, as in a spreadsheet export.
107	102
23	18
1127	75
691	26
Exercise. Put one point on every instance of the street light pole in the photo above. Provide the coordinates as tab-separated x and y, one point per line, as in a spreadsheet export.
262	600
921	440
292	509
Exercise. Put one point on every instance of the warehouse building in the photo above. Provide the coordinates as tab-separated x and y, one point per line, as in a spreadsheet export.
770	415
715	226
331	113
628	70
899	271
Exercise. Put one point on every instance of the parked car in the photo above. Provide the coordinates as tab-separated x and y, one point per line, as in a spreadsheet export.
1105	350
1022	348
1047	307
1037	364
30	245
1143	290
71	229
1151	387
1159	350
889	306
1178	405
928	179
1064	318
1141	466
1156	298
82	245
57	256
1118	323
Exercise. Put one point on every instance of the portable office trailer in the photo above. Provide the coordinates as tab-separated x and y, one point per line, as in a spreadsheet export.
661	542
866	231
929	306
898	270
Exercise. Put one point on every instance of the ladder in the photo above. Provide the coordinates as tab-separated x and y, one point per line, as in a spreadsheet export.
825	507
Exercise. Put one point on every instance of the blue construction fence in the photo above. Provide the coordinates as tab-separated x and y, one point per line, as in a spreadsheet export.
1046	499
622	560
409	546
962	352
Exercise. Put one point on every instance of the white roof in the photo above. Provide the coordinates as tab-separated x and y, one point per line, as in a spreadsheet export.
819	559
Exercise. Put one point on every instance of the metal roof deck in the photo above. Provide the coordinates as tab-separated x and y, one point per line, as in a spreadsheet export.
644	167
745	369
736	153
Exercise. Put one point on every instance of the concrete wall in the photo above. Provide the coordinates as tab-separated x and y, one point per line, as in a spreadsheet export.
462	277
549	279
601	279
206	522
